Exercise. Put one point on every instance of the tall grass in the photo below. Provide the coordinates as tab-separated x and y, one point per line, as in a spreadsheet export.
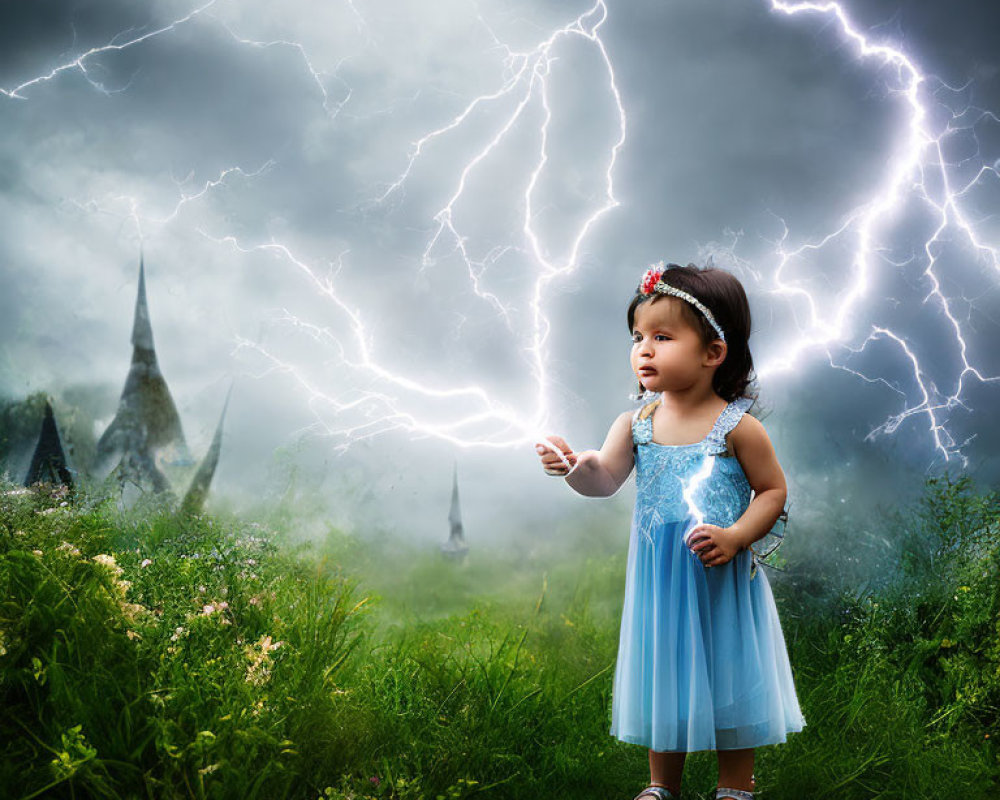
151	655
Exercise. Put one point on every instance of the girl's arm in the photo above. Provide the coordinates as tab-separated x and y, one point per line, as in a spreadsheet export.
756	455
753	449
596	473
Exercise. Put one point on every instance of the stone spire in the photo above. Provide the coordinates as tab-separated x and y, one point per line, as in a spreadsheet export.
142	330
455	546
194	499
146	431
48	464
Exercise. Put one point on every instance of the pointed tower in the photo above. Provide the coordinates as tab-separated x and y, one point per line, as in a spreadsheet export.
194	499
48	464
455	546
146	432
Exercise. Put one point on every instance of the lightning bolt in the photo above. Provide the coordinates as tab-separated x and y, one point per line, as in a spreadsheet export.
692	485
140	220
920	169
80	62
480	419
318	76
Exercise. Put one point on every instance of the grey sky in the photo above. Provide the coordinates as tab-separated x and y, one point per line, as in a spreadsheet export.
738	119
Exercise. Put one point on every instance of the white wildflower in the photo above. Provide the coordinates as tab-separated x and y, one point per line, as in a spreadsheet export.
107	561
259	656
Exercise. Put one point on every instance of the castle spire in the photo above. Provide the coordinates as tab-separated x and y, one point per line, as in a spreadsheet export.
146	428
142	330
48	464
455	546
194	499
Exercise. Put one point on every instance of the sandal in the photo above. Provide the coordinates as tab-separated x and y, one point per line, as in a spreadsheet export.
734	794
738	794
655	791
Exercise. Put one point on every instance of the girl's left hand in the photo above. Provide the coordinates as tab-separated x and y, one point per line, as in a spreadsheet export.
712	544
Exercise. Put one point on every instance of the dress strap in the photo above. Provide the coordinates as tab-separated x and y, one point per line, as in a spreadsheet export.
715	442
642	424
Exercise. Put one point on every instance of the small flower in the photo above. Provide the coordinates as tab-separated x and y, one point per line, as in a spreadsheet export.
107	561
72	549
258	655
649	280
146	562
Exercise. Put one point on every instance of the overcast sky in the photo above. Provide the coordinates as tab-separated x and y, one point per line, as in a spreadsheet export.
370	294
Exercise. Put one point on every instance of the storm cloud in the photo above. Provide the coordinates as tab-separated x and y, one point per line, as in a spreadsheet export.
247	153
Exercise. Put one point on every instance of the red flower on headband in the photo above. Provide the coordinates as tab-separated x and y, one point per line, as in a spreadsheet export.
649	281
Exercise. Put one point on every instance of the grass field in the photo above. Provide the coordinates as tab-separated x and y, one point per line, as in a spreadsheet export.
147	655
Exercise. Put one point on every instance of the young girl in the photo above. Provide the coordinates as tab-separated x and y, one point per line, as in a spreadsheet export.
702	663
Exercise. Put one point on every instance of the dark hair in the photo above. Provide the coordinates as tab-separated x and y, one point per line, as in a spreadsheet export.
723	295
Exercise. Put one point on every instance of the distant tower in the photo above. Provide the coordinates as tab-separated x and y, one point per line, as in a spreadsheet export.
48	464
194	499
455	547
146	432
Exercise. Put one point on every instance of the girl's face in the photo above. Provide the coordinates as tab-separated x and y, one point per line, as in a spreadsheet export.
668	353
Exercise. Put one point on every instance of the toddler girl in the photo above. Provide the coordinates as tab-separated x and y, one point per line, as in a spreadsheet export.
702	663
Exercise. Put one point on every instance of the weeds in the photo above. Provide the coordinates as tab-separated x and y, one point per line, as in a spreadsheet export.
147	655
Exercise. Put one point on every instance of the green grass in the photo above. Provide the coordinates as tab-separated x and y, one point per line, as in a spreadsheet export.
148	655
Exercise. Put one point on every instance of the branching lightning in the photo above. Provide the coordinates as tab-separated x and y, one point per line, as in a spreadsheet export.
80	62
484	422
919	168
140	220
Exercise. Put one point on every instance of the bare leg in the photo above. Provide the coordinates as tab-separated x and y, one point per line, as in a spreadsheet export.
736	769
666	770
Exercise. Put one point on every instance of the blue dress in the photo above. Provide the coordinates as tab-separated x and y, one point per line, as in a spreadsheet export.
702	663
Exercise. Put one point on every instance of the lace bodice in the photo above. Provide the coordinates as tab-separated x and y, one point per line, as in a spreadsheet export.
718	490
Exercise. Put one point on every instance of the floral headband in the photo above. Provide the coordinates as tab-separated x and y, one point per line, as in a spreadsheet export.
652	284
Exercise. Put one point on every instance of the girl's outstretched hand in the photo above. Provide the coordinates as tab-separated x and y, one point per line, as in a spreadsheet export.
551	461
712	544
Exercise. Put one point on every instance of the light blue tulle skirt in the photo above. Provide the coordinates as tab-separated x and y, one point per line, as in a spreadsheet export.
702	663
